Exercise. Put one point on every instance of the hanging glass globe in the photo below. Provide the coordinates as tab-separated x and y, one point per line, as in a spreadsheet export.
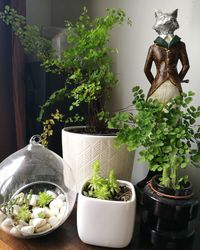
37	191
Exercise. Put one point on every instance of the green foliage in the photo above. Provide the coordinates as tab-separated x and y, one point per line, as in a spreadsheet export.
41	215
29	34
44	199
100	187
167	132
24	213
86	61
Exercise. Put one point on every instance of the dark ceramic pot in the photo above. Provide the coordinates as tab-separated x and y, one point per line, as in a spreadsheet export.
139	187
167	217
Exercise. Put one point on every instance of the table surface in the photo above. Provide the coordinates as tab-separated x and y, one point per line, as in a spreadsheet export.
66	237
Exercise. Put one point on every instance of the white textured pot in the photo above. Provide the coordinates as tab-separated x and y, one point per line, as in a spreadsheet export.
80	151
106	223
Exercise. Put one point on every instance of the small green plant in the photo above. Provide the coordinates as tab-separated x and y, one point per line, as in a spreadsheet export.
44	199
168	133
100	187
41	215
24	213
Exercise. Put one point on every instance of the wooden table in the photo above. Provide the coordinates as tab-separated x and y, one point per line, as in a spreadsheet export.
66	237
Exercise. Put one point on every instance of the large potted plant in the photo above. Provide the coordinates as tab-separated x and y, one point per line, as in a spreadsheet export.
86	63
106	210
170	140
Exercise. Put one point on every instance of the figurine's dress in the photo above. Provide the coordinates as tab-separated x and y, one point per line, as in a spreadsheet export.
167	82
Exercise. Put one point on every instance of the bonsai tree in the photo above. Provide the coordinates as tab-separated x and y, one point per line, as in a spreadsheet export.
86	63
168	133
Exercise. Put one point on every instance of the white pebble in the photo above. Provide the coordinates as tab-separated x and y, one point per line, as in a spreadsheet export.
22	223
8	222
2	216
47	212
43	228
54	211
63	210
58	203
53	194
27	230
33	200
60	216
31	222
61	197
19	198
53	220
36	212
38	222
15	231
16	209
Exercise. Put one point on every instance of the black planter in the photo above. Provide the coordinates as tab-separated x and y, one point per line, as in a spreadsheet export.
139	187
168	221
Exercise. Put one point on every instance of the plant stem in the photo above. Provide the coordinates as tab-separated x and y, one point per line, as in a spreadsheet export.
174	169
165	178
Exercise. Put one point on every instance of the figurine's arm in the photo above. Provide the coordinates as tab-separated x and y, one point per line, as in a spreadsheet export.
148	65
184	61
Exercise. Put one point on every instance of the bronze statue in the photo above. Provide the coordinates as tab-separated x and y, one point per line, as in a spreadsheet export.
166	51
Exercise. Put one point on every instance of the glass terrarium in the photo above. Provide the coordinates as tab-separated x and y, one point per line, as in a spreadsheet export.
37	191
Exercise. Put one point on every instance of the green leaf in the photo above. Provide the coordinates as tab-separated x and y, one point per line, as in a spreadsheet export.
7	7
136	88
190	93
167	149
188	100
192	121
184	165
154	167
193	108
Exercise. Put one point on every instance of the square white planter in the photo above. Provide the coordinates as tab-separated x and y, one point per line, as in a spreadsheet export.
106	223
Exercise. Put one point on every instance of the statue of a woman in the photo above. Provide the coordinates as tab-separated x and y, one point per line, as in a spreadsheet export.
166	51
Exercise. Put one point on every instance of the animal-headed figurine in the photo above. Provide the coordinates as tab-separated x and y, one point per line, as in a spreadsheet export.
166	51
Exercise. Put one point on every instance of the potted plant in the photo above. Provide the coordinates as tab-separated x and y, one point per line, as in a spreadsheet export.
86	63
106	210
170	140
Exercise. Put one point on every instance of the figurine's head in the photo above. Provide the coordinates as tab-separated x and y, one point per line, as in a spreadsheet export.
166	23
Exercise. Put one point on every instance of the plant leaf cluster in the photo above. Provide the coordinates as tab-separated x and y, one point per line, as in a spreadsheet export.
86	61
44	199
168	133
101	187
24	213
29	35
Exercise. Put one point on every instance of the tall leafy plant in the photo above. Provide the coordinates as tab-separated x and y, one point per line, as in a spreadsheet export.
168	133
86	61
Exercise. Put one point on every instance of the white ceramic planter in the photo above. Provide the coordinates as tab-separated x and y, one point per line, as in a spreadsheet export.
80	151
106	223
